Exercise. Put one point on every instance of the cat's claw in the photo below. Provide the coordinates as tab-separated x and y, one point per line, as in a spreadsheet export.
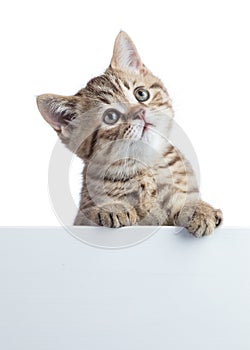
218	217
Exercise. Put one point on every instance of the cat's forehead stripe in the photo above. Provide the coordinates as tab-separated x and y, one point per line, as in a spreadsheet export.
126	85
104	82
156	86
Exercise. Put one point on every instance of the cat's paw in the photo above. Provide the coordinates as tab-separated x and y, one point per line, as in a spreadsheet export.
201	219
114	215
117	215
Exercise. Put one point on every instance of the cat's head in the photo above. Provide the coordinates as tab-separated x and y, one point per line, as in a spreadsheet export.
122	116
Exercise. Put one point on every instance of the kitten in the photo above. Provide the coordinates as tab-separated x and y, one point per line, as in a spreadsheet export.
119	125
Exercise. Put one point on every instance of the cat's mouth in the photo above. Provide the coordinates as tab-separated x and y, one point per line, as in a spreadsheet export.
146	127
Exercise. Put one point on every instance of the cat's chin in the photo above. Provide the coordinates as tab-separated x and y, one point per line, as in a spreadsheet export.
123	163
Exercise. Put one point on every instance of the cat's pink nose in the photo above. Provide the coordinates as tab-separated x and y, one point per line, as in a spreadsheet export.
139	114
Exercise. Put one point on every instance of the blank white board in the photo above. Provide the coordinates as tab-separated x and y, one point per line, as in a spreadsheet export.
171	291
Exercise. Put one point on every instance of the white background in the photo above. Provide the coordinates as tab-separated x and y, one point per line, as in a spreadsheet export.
200	49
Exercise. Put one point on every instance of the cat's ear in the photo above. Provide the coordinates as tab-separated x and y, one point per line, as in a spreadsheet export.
125	55
57	110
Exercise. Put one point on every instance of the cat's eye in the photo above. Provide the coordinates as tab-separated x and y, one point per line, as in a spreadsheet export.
141	94
111	116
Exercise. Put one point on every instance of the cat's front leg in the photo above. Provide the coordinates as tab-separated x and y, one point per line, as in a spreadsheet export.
198	217
115	215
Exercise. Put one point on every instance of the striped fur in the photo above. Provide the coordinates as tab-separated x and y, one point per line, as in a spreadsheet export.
132	174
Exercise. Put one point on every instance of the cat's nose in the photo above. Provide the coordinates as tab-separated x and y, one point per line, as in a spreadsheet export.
139	114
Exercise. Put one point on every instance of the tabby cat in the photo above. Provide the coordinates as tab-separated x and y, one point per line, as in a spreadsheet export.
119	126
